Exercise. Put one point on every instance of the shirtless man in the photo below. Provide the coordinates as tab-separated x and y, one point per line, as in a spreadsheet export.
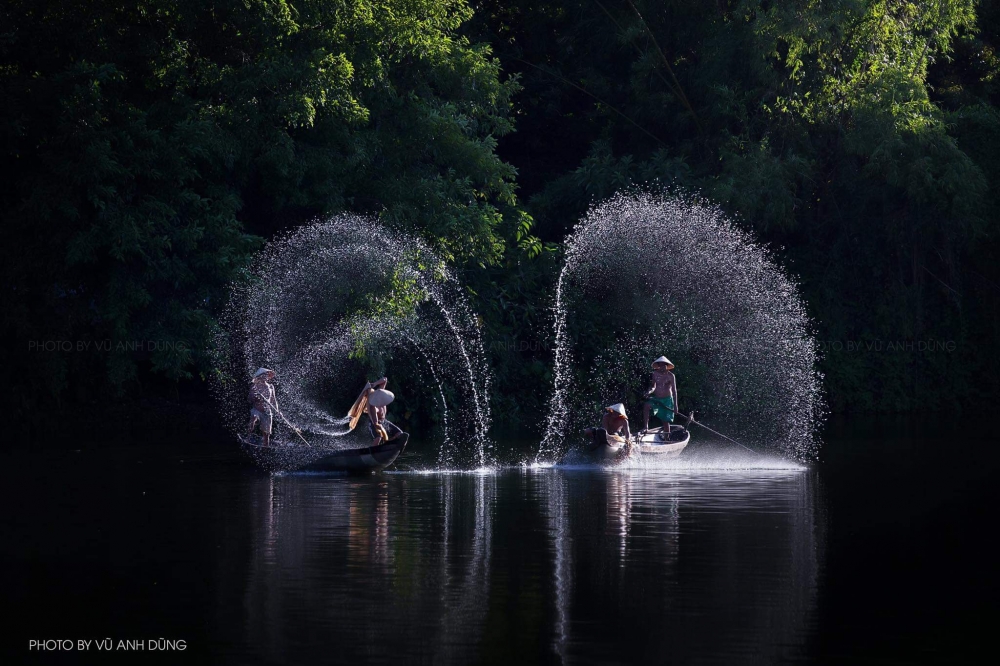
264	403
662	399
614	422
377	423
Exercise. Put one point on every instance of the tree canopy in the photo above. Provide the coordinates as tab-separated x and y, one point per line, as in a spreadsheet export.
854	136
149	148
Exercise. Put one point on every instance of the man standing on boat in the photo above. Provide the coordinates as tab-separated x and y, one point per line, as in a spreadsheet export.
380	428
264	403
662	398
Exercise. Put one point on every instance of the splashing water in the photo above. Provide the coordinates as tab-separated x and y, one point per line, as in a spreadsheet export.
338	302
651	274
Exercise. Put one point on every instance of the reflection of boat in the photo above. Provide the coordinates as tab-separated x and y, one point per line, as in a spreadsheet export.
283	457
333	558
668	557
700	564
668	443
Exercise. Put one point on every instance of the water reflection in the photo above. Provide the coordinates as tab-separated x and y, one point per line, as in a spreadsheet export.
577	565
692	568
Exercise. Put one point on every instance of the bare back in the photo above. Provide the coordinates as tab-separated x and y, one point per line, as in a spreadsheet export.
615	424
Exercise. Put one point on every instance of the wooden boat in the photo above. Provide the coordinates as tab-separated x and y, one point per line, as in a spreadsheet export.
285	457
660	442
610	452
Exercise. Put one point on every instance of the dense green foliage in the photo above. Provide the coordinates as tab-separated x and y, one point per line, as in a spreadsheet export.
149	147
858	137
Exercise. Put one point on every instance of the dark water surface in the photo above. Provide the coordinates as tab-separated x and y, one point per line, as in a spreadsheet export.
876	554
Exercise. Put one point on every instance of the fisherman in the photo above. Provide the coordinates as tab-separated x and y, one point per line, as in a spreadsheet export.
264	403
380	428
614	422
662	398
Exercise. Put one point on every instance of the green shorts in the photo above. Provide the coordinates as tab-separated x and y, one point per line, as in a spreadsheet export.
662	408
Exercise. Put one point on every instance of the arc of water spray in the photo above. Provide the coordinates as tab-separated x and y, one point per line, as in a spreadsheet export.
557	409
482	406
759	292
440	388
335	248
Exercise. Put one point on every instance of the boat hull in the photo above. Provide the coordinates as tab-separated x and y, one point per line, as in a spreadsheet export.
281	457
611	452
657	442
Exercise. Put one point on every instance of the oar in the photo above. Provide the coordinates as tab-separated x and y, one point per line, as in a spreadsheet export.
358	408
294	429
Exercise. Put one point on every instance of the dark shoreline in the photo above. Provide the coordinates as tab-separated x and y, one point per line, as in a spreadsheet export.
148	420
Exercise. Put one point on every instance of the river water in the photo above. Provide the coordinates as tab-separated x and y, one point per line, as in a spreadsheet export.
878	553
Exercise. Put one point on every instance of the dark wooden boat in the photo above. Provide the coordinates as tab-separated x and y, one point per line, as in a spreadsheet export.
610	452
661	442
285	457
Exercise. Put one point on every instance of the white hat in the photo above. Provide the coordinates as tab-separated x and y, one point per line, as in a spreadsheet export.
664	359
380	398
261	371
617	408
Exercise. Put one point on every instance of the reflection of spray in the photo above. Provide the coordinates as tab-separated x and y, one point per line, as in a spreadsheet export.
624	562
466	586
382	556
557	512
620	511
328	303
649	274
716	565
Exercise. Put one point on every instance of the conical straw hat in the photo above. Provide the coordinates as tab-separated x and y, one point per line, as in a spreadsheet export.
617	408
664	359
380	398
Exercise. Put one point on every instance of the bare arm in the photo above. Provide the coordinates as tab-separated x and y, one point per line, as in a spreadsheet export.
379	383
